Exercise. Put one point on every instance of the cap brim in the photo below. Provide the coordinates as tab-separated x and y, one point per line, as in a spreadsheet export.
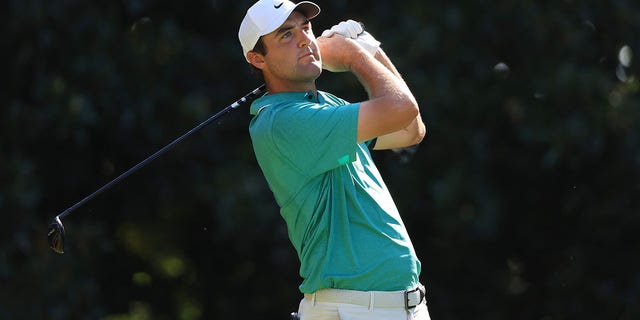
308	8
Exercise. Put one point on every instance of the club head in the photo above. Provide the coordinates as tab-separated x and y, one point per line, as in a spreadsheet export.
55	235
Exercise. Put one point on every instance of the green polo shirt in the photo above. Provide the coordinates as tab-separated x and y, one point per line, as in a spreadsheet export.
340	216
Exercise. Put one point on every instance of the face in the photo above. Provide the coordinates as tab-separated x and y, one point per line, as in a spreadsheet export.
292	60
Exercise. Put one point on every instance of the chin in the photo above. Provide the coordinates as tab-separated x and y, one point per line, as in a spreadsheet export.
312	71
318	65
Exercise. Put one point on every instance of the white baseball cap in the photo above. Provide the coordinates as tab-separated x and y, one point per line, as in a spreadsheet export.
265	16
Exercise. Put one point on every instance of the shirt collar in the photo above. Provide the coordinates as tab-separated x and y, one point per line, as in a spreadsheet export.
276	98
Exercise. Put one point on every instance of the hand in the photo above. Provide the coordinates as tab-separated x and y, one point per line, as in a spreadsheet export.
354	30
367	41
348	29
338	52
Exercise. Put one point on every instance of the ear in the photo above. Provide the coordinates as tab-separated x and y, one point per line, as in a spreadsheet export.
256	59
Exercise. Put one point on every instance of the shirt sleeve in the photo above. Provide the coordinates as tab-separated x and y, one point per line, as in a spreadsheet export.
317	138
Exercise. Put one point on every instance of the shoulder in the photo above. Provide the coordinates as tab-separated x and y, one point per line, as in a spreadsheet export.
331	99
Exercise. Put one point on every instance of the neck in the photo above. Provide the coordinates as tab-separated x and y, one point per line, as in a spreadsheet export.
291	87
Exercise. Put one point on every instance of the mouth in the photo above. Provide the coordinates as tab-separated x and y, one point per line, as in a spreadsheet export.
308	54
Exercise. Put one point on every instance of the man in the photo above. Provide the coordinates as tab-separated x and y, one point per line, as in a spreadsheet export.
356	258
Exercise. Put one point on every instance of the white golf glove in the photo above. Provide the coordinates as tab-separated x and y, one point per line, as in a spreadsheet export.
367	41
354	30
348	29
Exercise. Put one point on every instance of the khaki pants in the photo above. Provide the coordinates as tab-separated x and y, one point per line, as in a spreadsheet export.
327	306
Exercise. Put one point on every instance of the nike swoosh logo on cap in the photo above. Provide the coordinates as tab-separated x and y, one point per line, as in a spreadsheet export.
278	6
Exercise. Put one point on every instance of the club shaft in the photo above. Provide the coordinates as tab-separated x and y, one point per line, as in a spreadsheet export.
247	98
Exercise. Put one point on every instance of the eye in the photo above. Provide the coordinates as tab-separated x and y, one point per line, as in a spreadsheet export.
306	27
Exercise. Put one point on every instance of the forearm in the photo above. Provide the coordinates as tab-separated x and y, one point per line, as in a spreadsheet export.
410	135
381	56
380	78
375	81
416	131
391	106
390	100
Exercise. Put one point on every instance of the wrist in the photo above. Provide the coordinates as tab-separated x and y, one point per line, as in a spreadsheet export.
363	64
358	57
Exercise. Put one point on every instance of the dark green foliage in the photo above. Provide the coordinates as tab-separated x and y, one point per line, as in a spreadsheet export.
523	200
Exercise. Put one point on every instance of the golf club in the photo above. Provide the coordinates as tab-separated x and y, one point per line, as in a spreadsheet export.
56	231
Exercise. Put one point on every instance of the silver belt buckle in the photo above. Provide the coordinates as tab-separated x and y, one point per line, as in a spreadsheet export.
416	295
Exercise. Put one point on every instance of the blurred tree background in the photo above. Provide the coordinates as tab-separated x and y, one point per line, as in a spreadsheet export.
523	200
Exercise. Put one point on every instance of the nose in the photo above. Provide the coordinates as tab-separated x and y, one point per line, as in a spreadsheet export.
305	38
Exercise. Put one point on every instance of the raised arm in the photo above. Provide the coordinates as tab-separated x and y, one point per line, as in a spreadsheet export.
407	136
391	106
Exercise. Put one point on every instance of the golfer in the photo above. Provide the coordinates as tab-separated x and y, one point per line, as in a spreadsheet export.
356	258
